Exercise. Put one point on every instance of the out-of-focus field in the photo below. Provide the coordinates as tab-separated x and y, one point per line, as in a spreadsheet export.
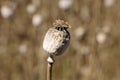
94	51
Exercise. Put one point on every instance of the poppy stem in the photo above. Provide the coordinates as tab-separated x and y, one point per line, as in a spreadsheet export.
49	67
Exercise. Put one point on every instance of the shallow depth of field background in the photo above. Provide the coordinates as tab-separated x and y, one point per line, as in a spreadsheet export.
94	51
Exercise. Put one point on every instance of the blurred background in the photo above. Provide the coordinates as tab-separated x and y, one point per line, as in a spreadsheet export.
94	51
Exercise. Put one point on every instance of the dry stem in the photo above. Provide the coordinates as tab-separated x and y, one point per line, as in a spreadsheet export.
49	67
49	71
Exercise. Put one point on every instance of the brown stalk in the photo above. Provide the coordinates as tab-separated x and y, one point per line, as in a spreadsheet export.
49	67
49	71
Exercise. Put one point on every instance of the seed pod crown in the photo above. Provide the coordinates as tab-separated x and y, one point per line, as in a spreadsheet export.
61	23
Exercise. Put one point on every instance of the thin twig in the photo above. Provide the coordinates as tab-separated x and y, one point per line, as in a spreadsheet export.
49	71
49	67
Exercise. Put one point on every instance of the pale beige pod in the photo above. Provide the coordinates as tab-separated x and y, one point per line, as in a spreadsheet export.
57	38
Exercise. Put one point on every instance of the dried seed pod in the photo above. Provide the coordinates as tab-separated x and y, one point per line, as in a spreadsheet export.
57	38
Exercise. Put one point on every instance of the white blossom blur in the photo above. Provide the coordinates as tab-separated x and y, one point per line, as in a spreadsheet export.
79	32
109	3
37	20
23	48
8	10
65	4
31	8
101	37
